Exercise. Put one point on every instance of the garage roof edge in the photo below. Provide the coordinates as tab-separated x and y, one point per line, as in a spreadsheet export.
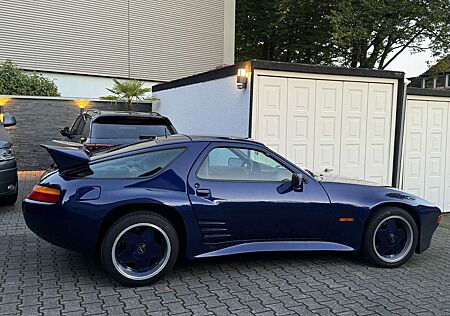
428	92
277	66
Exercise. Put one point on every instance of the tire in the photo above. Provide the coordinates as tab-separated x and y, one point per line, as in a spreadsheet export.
139	248
390	237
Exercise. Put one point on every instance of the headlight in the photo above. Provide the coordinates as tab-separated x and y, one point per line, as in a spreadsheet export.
6	153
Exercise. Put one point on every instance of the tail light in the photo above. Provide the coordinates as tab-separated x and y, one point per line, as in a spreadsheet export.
44	194
96	147
439	219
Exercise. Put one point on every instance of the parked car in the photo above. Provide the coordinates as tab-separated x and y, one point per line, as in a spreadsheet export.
103	129
8	165
142	206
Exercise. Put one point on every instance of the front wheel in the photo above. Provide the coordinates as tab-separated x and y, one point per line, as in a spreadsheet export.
139	248
390	238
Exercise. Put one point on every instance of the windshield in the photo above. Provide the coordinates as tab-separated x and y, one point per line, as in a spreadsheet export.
138	128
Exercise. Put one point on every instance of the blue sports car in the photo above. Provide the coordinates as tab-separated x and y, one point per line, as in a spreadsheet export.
142	206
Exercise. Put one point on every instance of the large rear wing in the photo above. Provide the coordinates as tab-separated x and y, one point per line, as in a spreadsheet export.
67	158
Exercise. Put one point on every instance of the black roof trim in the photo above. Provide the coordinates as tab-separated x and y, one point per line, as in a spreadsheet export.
202	77
428	92
279	66
328	70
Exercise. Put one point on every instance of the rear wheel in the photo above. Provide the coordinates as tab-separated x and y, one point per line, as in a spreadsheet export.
390	238
139	248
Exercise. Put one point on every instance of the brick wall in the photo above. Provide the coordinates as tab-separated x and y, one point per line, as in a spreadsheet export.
40	120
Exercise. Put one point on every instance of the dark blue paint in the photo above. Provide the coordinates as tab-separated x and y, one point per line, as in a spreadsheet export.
223	217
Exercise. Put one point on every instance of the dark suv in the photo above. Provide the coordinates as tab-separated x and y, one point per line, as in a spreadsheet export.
98	130
8	165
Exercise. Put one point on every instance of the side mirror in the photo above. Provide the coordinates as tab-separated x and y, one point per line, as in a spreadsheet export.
66	132
297	182
8	120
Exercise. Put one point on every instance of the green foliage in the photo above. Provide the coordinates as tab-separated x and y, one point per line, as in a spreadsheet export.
357	33
14	81
129	91
283	30
441	67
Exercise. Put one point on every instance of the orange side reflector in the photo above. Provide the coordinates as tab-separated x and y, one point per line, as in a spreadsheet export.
439	219
346	219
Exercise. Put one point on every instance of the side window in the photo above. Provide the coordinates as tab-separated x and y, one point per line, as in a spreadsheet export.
136	166
86	128
75	127
240	164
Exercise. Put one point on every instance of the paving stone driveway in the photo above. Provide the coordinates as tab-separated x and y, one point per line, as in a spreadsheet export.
38	278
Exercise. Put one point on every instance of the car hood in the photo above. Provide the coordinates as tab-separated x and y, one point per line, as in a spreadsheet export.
326	177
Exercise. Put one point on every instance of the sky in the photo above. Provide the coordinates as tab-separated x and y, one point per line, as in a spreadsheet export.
412	64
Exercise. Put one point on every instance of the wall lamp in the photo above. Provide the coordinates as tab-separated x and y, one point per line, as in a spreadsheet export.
242	78
3	102
82	104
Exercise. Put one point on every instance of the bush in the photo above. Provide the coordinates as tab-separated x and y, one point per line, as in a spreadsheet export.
14	81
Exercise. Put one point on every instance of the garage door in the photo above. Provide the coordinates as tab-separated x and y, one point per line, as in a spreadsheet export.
341	125
426	158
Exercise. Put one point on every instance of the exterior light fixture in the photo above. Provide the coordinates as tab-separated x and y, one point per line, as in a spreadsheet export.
82	104
3	102
242	78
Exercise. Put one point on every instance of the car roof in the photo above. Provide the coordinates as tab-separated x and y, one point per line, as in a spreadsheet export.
94	113
172	139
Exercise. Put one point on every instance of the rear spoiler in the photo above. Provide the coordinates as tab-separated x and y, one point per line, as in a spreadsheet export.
67	158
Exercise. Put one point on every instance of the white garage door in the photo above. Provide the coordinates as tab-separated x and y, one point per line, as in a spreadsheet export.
426	158
337	124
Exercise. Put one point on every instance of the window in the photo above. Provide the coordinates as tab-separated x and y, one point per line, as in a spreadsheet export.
239	164
448	81
76	126
136	166
429	83
440	82
130	127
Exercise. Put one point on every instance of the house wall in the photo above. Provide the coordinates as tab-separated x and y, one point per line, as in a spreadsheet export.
39	121
213	107
426	151
158	40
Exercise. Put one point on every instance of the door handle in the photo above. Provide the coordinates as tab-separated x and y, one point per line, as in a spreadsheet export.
203	192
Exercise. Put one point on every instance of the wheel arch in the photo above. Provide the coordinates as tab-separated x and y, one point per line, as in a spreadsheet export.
408	208
167	212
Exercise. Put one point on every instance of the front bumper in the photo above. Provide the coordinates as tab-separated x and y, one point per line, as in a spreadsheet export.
428	225
8	177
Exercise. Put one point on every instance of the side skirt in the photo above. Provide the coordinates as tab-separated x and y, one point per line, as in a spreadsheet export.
277	246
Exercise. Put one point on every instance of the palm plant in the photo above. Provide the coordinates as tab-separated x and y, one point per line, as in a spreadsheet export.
128	91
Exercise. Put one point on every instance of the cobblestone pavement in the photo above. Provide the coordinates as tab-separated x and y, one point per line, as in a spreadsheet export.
38	278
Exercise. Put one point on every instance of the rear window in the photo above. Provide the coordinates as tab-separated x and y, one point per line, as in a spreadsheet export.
136	166
130	127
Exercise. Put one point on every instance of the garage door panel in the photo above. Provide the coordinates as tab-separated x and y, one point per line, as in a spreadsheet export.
271	127
415	147
446	205
300	121
435	151
378	140
353	133
328	118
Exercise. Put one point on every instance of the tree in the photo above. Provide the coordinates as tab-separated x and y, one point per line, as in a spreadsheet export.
372	33
14	81
357	33
129	91
283	30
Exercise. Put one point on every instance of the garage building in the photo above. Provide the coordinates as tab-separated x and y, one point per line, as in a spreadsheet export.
321	118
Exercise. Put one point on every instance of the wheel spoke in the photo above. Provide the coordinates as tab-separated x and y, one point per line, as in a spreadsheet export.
131	239
126	256
401	235
148	235
156	250
391	226
142	263
381	234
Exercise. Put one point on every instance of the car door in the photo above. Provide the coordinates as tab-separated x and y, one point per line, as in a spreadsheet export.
77	128
242	192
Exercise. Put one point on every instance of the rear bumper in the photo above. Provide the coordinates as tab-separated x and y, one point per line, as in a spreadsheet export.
428	225
53	223
8	176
